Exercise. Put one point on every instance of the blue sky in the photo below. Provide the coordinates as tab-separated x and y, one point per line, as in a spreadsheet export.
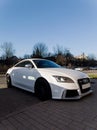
71	24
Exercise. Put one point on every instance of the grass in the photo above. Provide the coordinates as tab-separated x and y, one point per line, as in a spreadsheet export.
93	76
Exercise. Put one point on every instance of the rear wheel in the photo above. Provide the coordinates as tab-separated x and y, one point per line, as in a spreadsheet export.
42	89
8	80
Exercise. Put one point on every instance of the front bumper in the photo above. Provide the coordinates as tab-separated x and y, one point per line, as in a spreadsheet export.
74	94
84	89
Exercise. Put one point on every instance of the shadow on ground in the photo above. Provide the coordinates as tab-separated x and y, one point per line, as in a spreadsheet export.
13	99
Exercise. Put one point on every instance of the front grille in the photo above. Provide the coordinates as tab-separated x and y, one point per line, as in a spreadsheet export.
71	93
83	82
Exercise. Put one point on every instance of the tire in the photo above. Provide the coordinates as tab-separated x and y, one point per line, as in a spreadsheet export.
42	89
8	80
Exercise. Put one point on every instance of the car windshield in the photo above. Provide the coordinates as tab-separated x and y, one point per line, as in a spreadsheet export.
46	64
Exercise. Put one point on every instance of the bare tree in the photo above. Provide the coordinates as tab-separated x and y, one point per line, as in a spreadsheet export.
7	49
91	57
40	50
60	59
68	57
63	56
58	50
27	56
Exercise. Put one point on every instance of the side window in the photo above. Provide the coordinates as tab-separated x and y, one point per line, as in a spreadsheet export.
28	64
20	64
24	63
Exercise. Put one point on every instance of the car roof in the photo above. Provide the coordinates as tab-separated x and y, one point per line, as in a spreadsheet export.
30	59
34	59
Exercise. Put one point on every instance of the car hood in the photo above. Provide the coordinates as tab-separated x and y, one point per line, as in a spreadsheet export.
64	72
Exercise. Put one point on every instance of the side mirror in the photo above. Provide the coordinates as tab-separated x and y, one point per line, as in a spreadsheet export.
28	66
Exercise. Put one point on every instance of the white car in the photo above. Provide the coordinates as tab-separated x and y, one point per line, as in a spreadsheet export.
48	80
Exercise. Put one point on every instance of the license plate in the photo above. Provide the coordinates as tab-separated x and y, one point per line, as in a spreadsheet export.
84	86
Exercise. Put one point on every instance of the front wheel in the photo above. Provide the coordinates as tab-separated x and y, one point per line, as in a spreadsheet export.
8	80
42	89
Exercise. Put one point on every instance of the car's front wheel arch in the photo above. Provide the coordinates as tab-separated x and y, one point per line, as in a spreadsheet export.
42	89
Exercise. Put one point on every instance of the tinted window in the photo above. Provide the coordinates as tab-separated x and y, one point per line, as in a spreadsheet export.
22	64
45	64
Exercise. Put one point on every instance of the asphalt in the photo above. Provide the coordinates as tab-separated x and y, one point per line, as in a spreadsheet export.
56	115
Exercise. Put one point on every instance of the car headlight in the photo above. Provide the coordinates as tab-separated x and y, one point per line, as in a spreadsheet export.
63	79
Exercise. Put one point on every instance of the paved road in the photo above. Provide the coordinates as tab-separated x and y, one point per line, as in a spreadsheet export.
51	114
13	99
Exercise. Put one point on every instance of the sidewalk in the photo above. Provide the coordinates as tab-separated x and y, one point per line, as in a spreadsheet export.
56	115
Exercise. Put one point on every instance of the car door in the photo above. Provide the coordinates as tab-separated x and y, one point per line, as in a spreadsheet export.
24	75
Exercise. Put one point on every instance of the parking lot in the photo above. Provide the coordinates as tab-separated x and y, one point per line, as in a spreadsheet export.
20	110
